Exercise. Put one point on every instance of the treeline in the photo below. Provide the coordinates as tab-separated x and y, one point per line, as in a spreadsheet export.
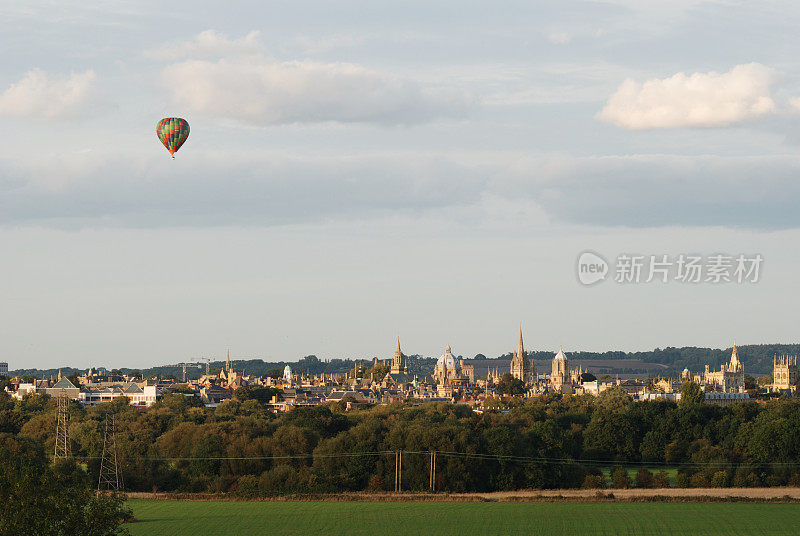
757	360
544	442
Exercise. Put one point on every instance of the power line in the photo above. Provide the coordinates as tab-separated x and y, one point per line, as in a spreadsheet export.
453	454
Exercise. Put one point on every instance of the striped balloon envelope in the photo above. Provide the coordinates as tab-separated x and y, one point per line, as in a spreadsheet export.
172	131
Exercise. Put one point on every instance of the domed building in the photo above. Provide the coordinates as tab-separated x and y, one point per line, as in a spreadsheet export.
449	371
288	377
445	369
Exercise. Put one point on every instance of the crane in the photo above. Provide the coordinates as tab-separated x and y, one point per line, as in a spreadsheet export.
207	360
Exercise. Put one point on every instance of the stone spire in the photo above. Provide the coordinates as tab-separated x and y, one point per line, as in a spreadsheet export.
735	363
228	361
398	363
521	366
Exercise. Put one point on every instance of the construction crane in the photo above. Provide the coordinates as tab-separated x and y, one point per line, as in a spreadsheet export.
183	367
207	360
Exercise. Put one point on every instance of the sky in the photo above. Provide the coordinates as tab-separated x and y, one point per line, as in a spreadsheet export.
358	171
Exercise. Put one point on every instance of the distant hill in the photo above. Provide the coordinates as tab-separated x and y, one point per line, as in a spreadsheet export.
757	360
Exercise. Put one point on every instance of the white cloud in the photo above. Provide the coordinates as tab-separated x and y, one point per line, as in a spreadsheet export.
38	96
559	38
697	100
261	91
207	44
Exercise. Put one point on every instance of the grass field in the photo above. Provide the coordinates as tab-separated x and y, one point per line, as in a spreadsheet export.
212	518
672	472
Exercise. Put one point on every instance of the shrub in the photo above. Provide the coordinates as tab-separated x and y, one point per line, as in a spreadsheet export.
620	478
698	480
719	479
594	482
285	479
744	477
682	480
661	480
376	483
247	485
644	478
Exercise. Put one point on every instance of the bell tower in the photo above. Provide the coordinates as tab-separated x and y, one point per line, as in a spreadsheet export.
398	362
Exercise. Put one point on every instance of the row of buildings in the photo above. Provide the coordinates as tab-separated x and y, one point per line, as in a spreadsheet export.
452	379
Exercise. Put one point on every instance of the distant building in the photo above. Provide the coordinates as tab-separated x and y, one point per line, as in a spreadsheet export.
447	372
521	367
729	378
287	375
3	368
560	378
399	361
784	373
398	371
724	399
63	387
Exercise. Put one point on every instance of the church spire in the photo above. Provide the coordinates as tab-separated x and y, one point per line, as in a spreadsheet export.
398	346
228	361
520	346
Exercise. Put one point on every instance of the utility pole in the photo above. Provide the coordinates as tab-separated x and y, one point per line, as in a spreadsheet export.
433	472
62	428
398	471
109	479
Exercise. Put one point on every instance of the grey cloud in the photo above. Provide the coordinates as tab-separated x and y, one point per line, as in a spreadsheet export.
663	190
645	190
212	191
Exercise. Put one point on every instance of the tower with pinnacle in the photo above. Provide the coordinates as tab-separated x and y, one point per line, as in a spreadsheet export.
399	361
521	367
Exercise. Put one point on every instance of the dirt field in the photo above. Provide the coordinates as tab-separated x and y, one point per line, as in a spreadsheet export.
743	493
756	494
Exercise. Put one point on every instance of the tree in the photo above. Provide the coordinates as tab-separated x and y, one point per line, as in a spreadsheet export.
661	479
613	399
691	395
620	478
509	385
644	478
47	500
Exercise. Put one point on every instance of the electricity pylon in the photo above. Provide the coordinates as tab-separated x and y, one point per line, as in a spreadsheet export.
109	479
61	451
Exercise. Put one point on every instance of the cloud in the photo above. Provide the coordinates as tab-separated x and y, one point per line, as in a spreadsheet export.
207	44
660	190
38	96
260	91
220	188
559	38
514	190
697	100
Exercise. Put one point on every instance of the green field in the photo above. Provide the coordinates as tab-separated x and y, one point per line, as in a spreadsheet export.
212	518
672	472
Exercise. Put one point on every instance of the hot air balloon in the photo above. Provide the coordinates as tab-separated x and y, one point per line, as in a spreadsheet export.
172	131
